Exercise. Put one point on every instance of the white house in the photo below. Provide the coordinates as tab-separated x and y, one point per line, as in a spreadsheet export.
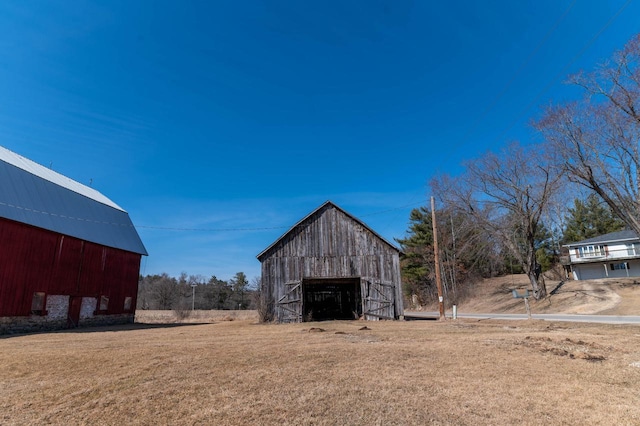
613	255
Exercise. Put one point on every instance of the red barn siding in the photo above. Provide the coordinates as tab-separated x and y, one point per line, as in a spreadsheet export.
66	266
120	279
92	276
26	257
37	260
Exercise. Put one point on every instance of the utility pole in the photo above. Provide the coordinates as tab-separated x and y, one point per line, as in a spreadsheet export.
193	296
437	258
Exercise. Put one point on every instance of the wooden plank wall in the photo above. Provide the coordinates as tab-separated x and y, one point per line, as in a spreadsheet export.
37	260
330	244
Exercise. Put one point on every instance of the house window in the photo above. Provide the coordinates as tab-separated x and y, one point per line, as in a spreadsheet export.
592	251
633	249
104	303
619	266
127	303
37	303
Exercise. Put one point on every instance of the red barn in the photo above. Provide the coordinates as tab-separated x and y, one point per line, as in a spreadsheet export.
69	256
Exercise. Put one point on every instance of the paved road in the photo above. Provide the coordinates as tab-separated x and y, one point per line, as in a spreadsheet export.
605	319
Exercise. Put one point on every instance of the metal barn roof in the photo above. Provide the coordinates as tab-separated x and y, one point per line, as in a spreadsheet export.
35	195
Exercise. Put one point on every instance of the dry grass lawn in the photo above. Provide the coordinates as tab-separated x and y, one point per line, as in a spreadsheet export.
221	368
193	317
237	372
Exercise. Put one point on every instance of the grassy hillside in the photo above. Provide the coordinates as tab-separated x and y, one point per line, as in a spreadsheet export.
610	297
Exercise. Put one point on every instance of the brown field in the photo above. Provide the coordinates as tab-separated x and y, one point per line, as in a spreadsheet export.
193	317
228	370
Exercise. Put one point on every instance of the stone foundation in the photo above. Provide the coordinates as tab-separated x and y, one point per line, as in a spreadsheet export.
38	323
89	306
57	307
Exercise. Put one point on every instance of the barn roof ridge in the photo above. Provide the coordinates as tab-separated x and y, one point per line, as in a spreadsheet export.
54	177
323	205
37	196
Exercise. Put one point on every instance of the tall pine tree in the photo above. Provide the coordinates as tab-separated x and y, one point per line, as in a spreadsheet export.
589	218
417	260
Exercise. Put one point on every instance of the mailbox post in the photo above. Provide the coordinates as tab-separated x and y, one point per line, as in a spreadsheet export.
524	296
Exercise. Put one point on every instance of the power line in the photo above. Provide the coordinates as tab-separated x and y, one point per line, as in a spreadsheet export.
170	228
265	228
79	219
562	72
523	65
166	228
521	68
404	206
564	69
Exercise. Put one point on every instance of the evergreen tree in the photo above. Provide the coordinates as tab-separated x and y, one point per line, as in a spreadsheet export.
220	293
466	253
417	259
588	219
546	253
239	285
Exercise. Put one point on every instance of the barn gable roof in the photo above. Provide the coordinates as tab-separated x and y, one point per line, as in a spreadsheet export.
37	196
308	217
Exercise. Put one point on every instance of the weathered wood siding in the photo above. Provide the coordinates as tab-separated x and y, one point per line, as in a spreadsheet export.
331	244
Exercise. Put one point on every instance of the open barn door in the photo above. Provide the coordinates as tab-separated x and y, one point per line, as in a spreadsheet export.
289	306
378	300
331	299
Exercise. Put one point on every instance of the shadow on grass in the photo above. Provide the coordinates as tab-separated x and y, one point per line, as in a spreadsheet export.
557	288
409	317
107	328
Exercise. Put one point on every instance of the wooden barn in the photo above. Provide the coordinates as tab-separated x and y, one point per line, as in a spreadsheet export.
331	265
69	256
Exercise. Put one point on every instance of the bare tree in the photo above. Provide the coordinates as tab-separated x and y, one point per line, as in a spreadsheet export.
506	196
262	301
161	291
466	254
595	140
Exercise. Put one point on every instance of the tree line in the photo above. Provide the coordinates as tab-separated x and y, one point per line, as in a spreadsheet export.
509	211
162	292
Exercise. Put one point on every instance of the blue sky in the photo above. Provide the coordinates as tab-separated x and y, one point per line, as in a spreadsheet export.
218	125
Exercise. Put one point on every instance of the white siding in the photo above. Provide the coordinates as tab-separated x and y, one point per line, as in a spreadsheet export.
599	270
591	271
590	252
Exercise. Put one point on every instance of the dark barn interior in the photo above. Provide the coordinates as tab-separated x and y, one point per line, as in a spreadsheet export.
331	299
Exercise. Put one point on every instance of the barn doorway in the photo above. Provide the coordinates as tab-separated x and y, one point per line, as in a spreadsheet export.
331	299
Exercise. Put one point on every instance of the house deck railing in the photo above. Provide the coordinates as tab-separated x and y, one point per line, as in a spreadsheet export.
623	253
